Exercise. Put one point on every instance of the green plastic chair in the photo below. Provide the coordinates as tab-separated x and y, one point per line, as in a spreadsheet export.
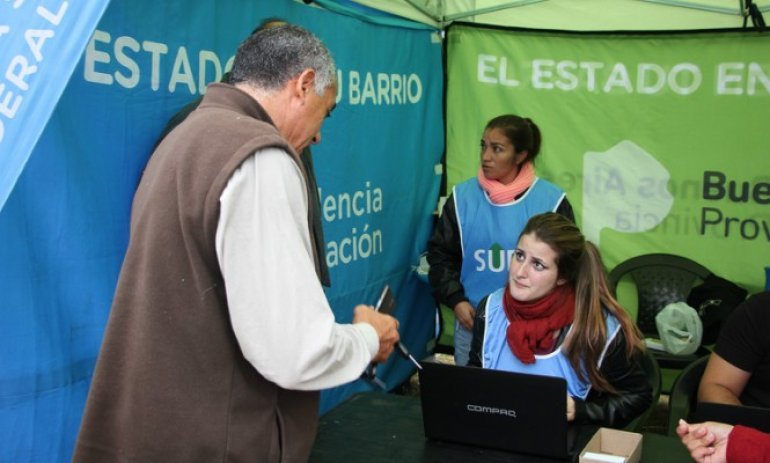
684	393
652	369
660	279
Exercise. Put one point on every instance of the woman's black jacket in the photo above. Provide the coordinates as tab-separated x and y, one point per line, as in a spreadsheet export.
634	394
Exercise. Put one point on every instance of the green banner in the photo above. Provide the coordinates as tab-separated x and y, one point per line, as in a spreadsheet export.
662	142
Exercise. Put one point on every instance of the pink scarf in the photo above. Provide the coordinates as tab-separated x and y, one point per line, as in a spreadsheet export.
502	194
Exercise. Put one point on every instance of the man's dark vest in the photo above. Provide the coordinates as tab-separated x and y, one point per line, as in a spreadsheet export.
171	383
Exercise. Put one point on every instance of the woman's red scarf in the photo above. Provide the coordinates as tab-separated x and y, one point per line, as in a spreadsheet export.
503	194
532	324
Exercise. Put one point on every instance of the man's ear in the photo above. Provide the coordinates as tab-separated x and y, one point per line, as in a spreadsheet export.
305	82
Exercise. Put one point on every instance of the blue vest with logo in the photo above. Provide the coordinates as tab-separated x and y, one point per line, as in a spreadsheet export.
496	354
489	232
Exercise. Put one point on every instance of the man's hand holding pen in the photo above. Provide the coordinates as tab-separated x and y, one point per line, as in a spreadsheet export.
385	325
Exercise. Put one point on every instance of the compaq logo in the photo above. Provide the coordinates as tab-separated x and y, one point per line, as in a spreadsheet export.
490	410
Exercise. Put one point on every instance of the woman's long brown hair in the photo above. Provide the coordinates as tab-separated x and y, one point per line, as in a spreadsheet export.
580	263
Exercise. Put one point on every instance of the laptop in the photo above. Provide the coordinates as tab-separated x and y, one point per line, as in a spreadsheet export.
495	409
755	417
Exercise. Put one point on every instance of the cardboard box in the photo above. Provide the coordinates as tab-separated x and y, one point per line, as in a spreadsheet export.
613	446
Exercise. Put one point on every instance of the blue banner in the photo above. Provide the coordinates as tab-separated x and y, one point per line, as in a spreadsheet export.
64	227
40	44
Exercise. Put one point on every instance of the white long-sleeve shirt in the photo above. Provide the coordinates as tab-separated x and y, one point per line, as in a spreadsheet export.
278	309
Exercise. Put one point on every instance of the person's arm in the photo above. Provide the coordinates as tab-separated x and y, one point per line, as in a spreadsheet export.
479	327
633	393
706	441
565	208
445	257
748	445
723	443
278	310
740	349
722	382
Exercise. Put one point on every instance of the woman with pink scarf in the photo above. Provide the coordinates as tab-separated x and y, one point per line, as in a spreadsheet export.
481	220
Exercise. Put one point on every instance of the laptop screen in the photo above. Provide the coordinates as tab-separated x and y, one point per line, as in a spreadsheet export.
495	409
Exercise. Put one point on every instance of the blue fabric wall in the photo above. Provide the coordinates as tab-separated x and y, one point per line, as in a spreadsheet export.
64	228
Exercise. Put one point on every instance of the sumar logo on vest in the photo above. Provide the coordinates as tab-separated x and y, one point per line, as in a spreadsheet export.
494	259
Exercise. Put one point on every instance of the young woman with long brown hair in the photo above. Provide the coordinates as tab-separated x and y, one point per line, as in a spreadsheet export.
557	317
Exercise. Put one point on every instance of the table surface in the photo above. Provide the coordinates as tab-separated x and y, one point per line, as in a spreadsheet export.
377	427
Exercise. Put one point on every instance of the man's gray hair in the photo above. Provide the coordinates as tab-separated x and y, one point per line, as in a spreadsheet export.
270	58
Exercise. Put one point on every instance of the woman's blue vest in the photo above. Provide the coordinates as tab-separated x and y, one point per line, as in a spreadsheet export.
497	355
489	232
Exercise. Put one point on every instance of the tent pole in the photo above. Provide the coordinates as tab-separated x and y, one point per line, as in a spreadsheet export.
424	11
491	9
696	6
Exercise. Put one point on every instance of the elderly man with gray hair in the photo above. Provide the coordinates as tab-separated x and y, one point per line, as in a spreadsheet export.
220	335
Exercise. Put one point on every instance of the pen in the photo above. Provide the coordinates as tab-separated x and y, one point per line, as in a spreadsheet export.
387	304
405	353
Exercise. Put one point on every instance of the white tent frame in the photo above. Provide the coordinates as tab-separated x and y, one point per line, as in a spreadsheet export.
584	15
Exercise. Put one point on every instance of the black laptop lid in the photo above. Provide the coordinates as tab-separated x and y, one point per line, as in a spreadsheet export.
495	409
755	417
